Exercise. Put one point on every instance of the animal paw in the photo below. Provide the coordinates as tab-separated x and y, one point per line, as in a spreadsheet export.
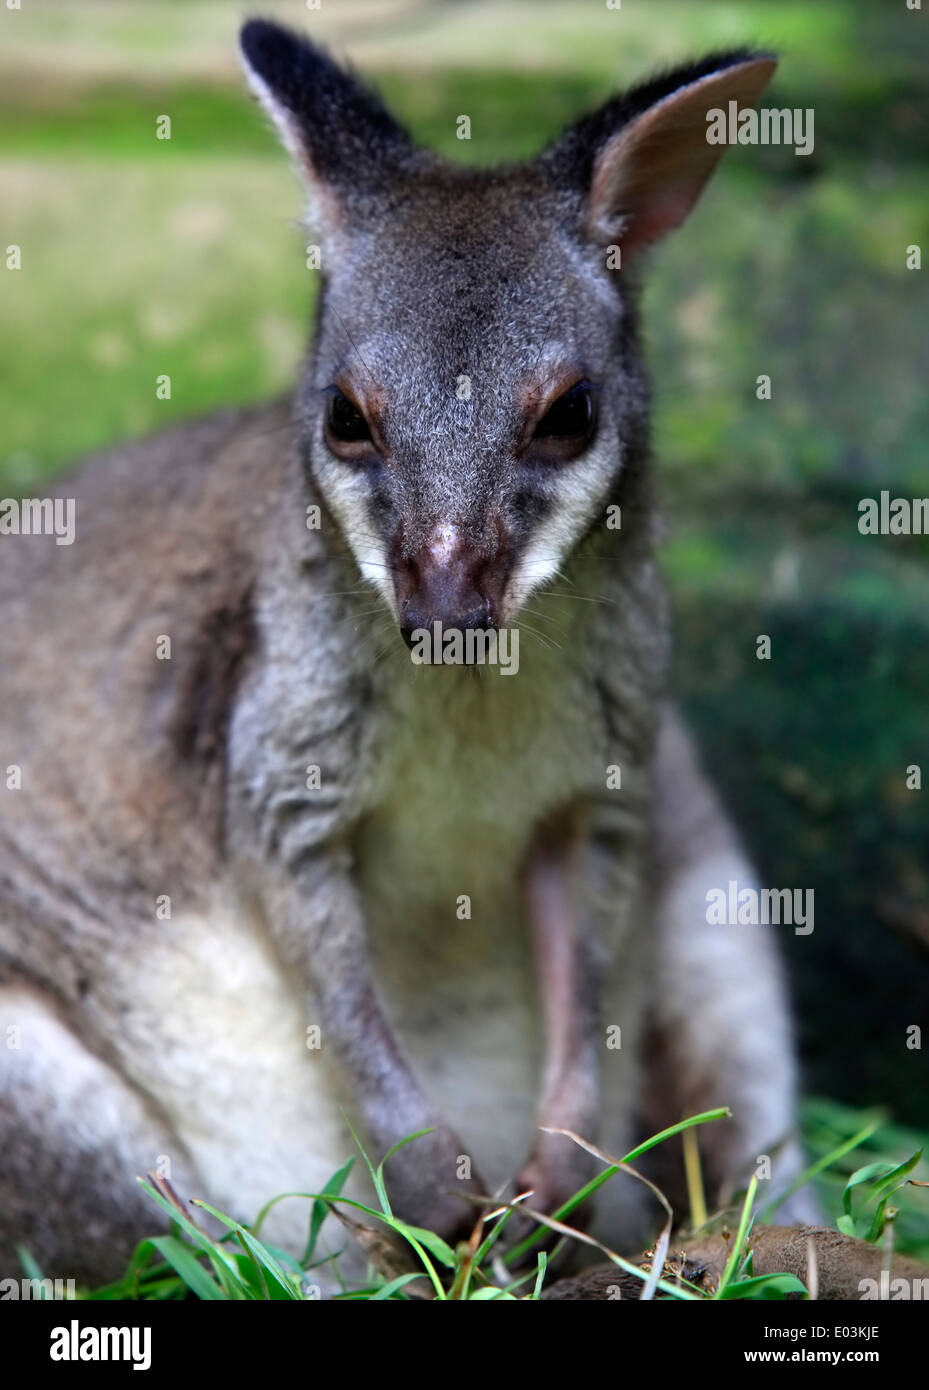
426	1183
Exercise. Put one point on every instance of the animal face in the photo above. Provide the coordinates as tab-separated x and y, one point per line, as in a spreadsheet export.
475	390
467	404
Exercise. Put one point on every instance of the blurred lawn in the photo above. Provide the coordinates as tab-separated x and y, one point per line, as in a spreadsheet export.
143	257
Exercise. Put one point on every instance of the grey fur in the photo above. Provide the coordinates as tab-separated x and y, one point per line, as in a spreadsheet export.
142	1037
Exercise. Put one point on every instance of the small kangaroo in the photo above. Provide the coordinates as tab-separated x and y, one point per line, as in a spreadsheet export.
262	871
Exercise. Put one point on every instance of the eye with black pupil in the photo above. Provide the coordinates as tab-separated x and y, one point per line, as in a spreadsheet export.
345	421
569	417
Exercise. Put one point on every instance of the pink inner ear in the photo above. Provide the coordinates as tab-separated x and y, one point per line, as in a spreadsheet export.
666	211
651	173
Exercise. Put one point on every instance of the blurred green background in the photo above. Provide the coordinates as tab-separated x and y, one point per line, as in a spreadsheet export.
142	256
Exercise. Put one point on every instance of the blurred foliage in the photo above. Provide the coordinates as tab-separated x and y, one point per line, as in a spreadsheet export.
143	256
827	1125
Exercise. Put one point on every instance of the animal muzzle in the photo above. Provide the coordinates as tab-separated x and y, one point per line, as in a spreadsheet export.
450	582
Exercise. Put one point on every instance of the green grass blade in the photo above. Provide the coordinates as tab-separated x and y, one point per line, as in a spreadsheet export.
30	1268
737	1254
705	1117
182	1259
409	1233
723	1112
895	1178
223	1266
540	1275
436	1246
262	1257
380	1186
818	1167
376	1182
320	1208
387	1290
764	1286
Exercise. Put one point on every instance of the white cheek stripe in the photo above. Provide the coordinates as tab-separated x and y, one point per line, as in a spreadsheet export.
349	503
580	495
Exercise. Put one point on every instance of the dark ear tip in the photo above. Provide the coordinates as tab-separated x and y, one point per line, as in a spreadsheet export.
253	31
258	37
266	44
720	60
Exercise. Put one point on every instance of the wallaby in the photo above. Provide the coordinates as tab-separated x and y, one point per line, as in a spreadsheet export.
260	872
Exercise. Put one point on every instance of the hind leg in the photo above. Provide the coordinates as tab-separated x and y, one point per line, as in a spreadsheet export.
721	1031
73	1137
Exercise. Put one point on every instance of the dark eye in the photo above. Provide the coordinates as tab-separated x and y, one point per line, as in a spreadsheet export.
345	421
570	417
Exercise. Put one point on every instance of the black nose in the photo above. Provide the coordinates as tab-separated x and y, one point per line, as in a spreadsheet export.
445	581
417	614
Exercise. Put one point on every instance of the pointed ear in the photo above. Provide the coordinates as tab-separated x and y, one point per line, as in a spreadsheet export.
339	133
645	157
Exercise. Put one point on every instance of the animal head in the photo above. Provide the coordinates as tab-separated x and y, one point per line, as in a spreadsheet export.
475	391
